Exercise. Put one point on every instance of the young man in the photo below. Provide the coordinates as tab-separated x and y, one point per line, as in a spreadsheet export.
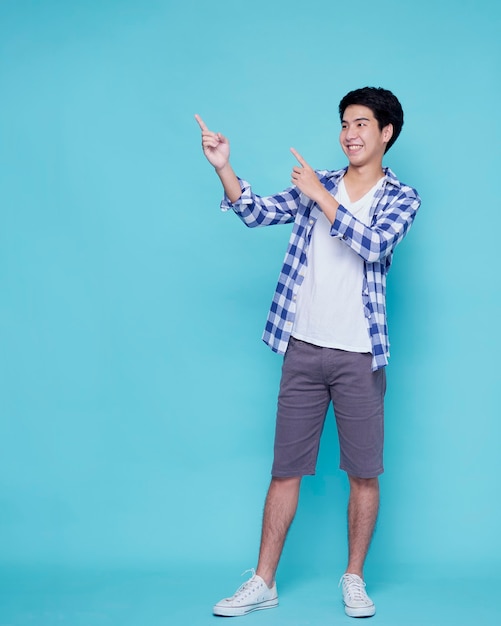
328	317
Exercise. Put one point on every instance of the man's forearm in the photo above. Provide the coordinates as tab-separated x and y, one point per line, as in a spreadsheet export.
230	182
328	204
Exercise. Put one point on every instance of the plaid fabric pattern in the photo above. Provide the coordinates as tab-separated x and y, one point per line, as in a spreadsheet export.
392	212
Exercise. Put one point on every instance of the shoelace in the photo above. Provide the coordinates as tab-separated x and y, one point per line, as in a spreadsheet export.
247	585
355	587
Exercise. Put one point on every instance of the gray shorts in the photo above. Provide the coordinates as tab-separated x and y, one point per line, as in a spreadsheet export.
312	377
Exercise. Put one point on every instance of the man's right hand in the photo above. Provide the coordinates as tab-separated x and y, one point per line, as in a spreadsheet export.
217	150
216	147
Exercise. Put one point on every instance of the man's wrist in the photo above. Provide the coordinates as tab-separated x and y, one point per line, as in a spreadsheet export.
220	171
328	204
325	198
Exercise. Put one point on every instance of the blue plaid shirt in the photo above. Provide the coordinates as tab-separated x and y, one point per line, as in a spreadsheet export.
392	213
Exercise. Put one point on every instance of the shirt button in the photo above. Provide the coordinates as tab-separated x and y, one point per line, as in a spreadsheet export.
312	221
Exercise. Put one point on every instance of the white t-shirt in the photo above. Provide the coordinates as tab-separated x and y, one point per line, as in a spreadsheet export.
329	307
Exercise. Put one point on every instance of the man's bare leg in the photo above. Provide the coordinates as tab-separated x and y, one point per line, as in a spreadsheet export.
363	508
279	510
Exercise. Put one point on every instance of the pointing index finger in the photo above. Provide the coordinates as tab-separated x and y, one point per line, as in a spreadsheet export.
200	121
299	157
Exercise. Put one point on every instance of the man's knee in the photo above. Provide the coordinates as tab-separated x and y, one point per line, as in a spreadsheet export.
285	483
363	483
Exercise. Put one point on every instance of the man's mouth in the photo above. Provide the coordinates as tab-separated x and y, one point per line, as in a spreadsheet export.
354	147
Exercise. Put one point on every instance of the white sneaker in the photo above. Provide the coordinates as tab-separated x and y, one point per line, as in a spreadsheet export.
253	595
356	601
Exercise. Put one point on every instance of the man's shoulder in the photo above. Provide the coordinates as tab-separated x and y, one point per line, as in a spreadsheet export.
393	179
399	187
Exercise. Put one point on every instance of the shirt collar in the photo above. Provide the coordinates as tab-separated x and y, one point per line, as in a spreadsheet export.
389	176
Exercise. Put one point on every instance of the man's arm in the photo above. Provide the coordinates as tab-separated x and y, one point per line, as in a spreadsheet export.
252	209
216	148
374	243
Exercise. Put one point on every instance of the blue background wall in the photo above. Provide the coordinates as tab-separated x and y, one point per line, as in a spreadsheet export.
137	401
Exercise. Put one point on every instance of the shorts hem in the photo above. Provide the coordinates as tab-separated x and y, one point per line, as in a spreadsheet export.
292	474
365	474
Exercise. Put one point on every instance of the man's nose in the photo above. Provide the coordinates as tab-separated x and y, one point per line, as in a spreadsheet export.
351	133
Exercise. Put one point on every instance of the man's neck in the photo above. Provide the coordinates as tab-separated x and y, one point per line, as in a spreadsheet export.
359	180
365	174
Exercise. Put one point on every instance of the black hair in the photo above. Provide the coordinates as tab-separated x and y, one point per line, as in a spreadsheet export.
384	105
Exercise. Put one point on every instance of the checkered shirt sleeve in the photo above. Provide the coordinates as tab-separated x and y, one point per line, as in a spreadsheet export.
377	241
256	210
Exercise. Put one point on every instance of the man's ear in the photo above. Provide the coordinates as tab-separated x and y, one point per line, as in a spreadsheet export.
388	132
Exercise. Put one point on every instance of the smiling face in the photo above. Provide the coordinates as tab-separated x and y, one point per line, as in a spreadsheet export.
361	139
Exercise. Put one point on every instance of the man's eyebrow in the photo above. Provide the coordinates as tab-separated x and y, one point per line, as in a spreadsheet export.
357	119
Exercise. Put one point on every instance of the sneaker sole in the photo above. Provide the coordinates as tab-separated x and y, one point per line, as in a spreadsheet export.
232	611
366	611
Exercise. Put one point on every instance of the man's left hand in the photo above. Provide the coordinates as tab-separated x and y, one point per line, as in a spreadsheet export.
305	178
